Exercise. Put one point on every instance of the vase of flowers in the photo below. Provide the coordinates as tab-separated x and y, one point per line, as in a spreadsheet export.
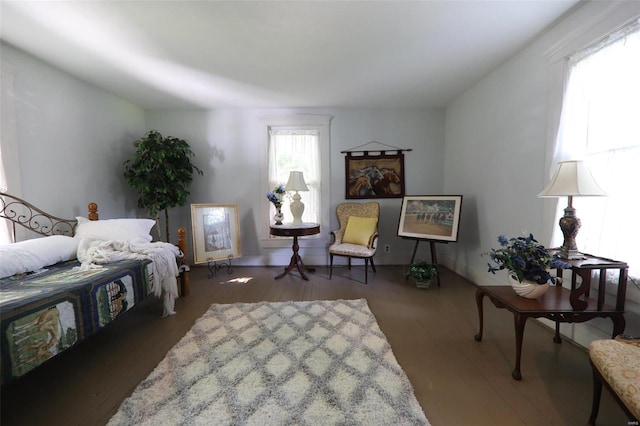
278	217
528	264
276	197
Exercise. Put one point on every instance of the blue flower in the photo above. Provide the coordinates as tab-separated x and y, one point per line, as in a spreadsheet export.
525	259
277	195
556	263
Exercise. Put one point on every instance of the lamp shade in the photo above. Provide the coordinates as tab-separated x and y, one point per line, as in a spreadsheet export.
296	182
572	178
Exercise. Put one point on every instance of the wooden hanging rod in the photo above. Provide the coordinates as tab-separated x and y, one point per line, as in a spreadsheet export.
383	151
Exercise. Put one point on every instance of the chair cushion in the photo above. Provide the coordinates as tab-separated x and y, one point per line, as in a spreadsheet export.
351	250
619	365
359	230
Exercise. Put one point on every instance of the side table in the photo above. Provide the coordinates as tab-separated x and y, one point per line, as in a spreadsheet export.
561	304
295	231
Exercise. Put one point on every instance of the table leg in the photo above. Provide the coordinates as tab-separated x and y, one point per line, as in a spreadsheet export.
479	297
519	322
296	261
556	337
619	324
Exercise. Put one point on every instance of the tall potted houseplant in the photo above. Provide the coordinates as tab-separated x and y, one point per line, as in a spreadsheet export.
161	171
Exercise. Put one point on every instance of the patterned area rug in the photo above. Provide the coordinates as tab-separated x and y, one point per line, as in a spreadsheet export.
284	363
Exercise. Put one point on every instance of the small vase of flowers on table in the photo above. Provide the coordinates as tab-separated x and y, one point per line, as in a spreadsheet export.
528	263
277	197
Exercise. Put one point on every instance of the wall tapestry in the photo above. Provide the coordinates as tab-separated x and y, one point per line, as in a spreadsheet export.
374	176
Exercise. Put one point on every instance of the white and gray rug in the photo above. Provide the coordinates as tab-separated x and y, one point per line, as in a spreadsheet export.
283	363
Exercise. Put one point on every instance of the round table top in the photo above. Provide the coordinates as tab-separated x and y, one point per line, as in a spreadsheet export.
291	230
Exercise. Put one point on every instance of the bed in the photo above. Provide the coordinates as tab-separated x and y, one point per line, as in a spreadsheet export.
80	275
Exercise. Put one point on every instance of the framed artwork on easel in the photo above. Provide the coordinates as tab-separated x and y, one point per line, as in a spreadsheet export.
216	232
430	217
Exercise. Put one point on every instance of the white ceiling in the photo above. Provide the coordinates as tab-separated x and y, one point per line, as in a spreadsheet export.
177	54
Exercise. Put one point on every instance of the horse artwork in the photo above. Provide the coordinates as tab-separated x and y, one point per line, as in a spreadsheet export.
39	336
374	176
430	217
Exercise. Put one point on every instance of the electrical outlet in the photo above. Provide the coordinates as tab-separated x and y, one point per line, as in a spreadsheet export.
387	248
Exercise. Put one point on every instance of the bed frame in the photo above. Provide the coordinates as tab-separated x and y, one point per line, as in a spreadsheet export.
25	214
46	313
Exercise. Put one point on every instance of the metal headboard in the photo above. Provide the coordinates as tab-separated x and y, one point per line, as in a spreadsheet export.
34	219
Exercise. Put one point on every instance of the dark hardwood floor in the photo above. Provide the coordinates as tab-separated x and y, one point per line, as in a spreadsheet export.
457	380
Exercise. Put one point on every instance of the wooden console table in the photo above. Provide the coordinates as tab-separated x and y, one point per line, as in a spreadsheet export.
295	231
561	304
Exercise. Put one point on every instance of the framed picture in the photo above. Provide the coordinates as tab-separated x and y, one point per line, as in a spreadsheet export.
216	232
430	217
374	176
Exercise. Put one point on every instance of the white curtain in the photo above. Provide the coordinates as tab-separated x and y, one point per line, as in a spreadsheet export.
600	124
296	150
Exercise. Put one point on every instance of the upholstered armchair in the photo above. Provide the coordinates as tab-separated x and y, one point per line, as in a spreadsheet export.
357	236
616	364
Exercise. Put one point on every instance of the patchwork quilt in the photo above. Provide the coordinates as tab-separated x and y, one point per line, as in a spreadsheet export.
44	313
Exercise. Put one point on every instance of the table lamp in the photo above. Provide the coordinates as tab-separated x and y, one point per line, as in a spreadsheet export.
571	179
296	183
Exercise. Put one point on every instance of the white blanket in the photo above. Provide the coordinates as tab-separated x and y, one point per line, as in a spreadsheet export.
93	253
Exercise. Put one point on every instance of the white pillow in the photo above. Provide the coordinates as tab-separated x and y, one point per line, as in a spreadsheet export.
136	231
31	255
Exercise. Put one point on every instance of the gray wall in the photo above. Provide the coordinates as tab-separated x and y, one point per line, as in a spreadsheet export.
71	138
226	143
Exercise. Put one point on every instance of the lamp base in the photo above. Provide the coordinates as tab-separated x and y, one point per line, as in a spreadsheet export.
297	208
570	225
570	254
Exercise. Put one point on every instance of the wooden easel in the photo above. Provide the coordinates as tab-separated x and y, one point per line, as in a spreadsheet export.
434	256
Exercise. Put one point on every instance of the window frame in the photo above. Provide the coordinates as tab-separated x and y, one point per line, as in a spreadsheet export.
322	124
605	161
586	32
589	24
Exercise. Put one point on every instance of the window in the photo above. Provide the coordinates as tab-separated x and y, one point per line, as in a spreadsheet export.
600	124
297	149
298	142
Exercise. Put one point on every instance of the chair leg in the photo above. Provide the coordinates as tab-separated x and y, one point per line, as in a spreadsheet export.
372	265
597	393
330	264
349	262
366	270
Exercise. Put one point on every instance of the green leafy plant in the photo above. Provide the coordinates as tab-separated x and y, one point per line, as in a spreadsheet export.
161	172
525	259
422	271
